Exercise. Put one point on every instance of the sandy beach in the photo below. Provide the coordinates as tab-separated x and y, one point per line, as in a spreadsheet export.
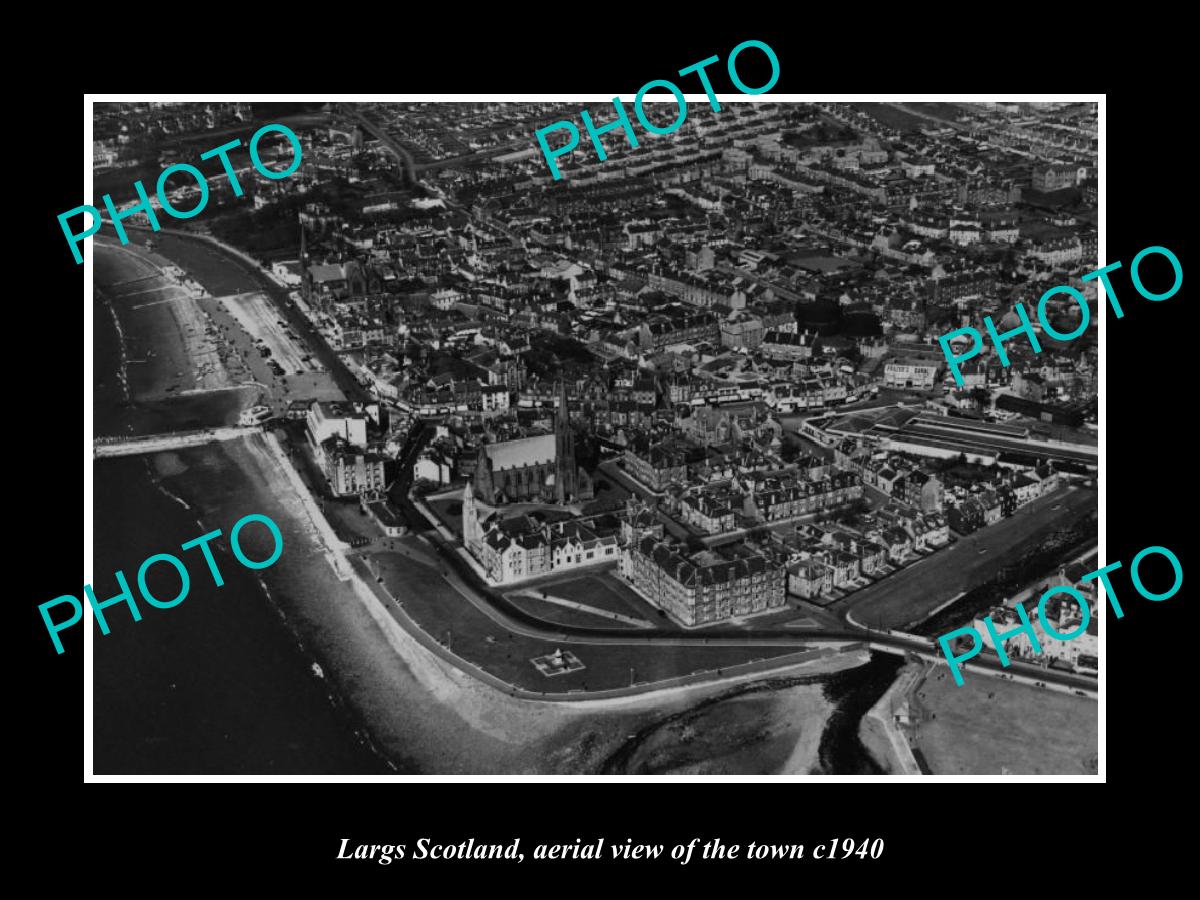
769	726
880	733
172	343
420	711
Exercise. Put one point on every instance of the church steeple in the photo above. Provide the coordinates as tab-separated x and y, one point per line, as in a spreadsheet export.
470	519
564	449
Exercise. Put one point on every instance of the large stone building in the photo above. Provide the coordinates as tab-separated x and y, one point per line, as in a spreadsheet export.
350	471
708	586
327	419
1054	177
541	468
910	372
519	548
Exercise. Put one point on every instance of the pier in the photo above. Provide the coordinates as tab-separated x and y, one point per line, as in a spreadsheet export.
155	443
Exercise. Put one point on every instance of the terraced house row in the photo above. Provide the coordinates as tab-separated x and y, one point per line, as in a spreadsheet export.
768	498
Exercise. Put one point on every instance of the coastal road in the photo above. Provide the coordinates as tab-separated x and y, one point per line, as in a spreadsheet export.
511	618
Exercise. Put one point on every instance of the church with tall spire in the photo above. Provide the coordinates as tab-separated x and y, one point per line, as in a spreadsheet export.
565	482
541	468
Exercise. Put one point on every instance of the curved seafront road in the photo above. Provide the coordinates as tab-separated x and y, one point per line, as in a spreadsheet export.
513	619
505	614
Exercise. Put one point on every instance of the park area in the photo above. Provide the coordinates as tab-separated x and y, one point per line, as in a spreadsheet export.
994	727
599	599
415	580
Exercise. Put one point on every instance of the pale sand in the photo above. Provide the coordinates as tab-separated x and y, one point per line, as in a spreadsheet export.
260	319
878	730
811	706
422	711
198	340
203	345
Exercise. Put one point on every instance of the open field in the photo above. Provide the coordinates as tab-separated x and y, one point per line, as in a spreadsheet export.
994	727
449	511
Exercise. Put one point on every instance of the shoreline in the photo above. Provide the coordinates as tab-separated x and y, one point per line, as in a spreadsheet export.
513	726
387	614
176	367
216	685
892	750
346	639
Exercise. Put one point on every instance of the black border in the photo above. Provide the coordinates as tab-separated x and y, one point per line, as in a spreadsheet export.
295	832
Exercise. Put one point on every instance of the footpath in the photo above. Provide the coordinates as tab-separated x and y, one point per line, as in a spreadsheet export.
882	717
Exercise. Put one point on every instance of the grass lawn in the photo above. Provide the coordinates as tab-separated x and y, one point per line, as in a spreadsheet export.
442	612
449	512
563	615
603	591
993	727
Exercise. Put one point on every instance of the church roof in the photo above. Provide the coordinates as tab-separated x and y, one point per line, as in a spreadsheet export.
521	452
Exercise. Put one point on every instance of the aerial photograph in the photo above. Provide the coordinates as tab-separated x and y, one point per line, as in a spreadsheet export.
657	467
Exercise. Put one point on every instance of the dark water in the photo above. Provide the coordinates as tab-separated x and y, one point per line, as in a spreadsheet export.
854	691
220	683
114	415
